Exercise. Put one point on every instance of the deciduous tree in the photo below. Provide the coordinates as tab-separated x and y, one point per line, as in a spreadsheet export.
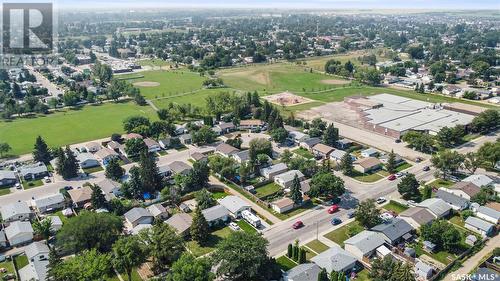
367	213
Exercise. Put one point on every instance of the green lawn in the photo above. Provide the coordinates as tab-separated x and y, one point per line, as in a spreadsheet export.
135	277
343	233
267	190
304	153
372	177
403	166
457	220
170	82
219	195
245	226
31	183
21	261
317	246
63	218
4	190
153	62
93	170
441	256
197	98
363	275
441	183
293	212
395	207
214	238
9	267
285	263
70	126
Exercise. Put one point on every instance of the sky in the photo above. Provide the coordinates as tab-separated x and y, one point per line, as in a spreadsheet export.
289	4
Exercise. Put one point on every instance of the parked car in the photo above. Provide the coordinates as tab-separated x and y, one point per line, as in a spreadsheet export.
336	221
68	187
418	160
46	179
391	177
234	226
297	225
18	185
426	168
400	174
381	200
397	141
351	214
333	209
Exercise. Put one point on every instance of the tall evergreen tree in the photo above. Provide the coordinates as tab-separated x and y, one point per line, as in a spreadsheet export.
41	151
97	197
331	135
113	170
391	163
199	227
346	164
150	175
54	261
295	193
323	275
70	164
61	161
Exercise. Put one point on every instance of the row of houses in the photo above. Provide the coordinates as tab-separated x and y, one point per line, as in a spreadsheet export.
26	172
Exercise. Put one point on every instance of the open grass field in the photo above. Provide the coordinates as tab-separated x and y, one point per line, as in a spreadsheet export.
318	63
69	126
197	98
153	62
168	83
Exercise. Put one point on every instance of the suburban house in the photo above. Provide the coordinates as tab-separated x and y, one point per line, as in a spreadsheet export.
37	251
50	203
423	270
235	205
179	129
17	211
457	203
488	214
152	145
479	226
7	178
285	179
110	189
337	155
137	229
92	147
417	216
438	207
385	158
116	146
283	205
365	165
19	232
185	139
271	171
181	223
464	189
305	186
303	272
241	156
179	167
370	152
105	155
38	262
217	214
165	142
87	160
158	211
322	150
479	180
363	244
80	196
137	216
344	143
226	150
451	90
251	124
33	172
394	231
335	259
197	156
225	127
130	136
56	223
297	137
309	143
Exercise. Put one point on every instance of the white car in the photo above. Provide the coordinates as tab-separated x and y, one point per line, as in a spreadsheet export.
381	200
234	226
18	186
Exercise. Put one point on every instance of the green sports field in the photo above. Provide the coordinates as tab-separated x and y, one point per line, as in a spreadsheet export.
197	98
69	126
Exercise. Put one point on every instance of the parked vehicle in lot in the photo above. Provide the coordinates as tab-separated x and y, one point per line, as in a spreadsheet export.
68	187
392	177
381	200
351	214
336	221
426	168
418	160
234	226
397	141
333	209
297	225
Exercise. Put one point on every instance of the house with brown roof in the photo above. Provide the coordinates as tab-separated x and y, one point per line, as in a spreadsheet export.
226	150
131	136
322	150
80	196
366	165
417	216
464	189
92	147
283	205
197	156
181	223
251	124
152	145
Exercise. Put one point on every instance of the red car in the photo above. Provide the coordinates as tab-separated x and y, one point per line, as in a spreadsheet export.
297	225
392	177
333	209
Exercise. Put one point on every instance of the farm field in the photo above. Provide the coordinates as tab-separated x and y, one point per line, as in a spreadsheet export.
69	126
164	83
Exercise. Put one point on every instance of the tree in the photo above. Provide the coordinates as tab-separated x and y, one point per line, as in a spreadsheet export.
279	135
189	268
150	175
471	162
427	193
241	256
132	122
448	162
286	156
113	170
334	275
302	256
489	152
323	275
346	164
384	269
54	261
405	272
204	199
408	187
134	147
486	121
327	185
443	234
289	252
199	228
245	171
89	230
391	163
164	245
97	197
331	135
4	148
69	164
43	228
41	151
420	141
204	135
485	195
295	191
89	265
128	252
367	213
451	239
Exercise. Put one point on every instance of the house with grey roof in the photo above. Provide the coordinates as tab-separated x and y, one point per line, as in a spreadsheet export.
3	239
87	160
110	188
185	139
335	259
479	226
165	171
488	214
37	250
479	180
337	155
56	223
137	216
241	156
217	214
436	206
7	178
158	211
303	272
32	172
457	203
423	270
274	170
297	137
19	232
152	145
369	152
285	179
417	216
225	127
309	143
394	230
50	203
197	156
36	270
17	211
181	223
179	167
364	244
235	205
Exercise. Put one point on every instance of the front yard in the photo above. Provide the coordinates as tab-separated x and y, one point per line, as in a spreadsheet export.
343	233
285	263
93	169
245	226
395	207
21	261
31	183
317	246
213	239
367	177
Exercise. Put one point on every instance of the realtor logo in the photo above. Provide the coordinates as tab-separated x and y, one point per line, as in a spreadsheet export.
27	28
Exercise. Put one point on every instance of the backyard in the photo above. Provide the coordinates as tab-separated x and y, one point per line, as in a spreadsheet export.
266	190
9	269
214	238
304	153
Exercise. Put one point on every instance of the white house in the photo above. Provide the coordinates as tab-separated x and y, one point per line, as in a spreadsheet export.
137	216
363	244
17	211
235	205
370	152
19	232
479	226
283	205
87	160
335	259
488	214
271	171
216	214
479	180
438	207
152	145
285	180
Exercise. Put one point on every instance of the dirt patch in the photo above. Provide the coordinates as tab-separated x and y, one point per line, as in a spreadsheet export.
146	84
335	82
287	99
